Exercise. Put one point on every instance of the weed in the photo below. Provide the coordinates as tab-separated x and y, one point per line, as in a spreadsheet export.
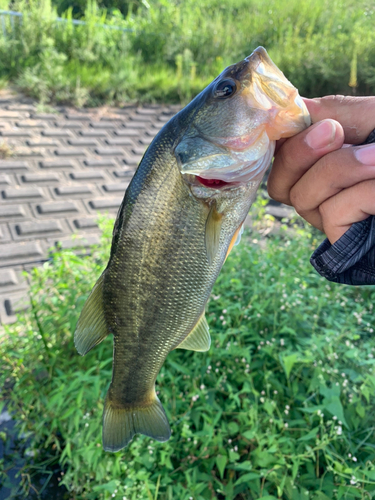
167	50
5	150
281	406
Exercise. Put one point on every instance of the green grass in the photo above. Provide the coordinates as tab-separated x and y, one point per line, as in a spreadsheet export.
176	48
281	407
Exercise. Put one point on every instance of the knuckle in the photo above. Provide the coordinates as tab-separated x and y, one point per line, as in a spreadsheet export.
297	201
325	211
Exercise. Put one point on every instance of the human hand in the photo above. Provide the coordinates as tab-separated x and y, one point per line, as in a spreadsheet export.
329	185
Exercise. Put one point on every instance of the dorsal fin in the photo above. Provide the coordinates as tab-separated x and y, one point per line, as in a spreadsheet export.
212	235
91	328
199	338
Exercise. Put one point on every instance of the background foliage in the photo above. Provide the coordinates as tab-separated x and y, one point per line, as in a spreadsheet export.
281	407
174	48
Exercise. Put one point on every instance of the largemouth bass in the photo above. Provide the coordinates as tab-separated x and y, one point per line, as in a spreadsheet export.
180	216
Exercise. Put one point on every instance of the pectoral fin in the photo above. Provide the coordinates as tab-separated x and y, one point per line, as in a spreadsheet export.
235	240
212	236
91	328
199	338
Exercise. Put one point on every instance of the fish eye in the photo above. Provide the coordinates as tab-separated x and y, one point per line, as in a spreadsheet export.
225	88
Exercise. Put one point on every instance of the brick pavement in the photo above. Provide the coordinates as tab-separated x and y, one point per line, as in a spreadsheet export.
65	167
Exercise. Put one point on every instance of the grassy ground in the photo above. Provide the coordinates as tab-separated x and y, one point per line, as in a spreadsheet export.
175	48
281	407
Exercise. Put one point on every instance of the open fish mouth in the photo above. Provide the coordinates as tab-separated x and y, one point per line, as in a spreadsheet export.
252	105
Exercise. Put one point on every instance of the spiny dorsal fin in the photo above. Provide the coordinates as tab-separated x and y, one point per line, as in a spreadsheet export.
199	338
212	236
91	328
121	424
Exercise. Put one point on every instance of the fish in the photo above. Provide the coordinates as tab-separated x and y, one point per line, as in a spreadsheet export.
181	215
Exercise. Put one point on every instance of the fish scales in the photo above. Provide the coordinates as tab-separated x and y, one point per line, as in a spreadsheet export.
158	253
181	214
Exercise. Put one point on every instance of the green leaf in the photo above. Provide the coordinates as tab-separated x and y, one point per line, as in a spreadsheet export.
288	362
246	477
321	496
221	462
310	435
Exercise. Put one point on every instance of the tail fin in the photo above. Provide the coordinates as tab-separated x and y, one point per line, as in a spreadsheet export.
121	424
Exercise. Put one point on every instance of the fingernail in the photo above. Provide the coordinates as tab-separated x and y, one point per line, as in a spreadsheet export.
322	135
366	154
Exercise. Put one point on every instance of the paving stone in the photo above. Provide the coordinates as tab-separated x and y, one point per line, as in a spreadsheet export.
21	252
8	278
44	116
57	208
139	150
147	111
78	116
12	132
85	223
31	124
22	193
83	142
25	152
36	228
94	133
152	133
157	126
69	125
10	114
137	125
55	132
37	178
11	166
5	180
103	162
87	176
141	119
62	163
127	132
120	141
164	118
124	174
41	142
105	203
132	161
70	152
73	190
103	125
109	151
4	234
11	305
81	241
21	107
146	140
115	188
12	211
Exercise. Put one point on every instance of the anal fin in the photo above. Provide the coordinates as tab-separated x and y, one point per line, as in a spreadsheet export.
212	234
91	328
199	338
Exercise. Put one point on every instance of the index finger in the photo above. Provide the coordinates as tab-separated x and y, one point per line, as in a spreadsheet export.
355	114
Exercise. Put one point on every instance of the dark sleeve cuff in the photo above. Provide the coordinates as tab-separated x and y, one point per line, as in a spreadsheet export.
351	259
